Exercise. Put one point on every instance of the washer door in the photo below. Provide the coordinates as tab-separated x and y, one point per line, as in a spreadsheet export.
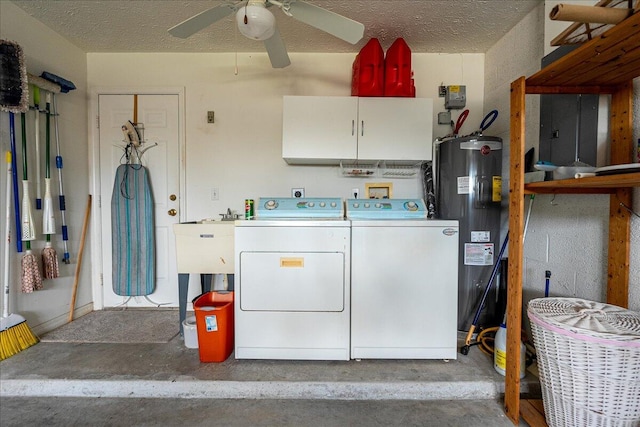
292	281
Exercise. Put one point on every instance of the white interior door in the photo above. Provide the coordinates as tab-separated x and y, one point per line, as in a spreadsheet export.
159	114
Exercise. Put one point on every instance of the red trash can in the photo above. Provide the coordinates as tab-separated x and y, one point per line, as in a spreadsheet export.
214	321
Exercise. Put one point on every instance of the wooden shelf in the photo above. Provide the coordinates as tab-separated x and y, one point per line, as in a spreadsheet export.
591	185
597	66
607	64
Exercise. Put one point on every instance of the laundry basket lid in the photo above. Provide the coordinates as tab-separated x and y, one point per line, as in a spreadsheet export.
587	318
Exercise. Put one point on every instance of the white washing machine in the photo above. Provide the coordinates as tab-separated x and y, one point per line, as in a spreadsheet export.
292	281
404	281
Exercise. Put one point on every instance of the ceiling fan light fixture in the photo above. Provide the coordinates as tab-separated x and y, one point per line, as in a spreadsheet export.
260	24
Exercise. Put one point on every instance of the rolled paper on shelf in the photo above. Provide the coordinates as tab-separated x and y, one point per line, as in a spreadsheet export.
589	14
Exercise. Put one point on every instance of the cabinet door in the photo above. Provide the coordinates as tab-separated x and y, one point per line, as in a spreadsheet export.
319	129
395	129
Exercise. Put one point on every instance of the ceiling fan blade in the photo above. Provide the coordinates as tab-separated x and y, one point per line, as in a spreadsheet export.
277	51
202	20
327	21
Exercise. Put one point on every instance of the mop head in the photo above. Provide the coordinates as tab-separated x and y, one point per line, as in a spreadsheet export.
50	262
14	89
15	336
31	276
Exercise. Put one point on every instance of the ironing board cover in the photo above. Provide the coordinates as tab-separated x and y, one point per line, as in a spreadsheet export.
132	232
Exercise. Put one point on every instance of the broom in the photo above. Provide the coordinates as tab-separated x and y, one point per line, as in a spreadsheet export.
49	255
31	276
15	334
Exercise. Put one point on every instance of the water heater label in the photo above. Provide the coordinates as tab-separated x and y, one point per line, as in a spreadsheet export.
497	189
478	254
463	185
480	236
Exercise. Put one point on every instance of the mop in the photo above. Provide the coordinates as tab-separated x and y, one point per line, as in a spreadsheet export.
49	255
15	334
31	276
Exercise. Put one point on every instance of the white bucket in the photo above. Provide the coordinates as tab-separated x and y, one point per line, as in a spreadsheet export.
190	332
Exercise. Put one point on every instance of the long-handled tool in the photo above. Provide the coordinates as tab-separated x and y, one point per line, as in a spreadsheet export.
49	255
467	344
14	179
62	85
31	276
80	252
63	207
37	84
15	334
36	102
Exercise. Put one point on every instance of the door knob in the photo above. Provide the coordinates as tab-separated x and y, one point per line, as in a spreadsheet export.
172	212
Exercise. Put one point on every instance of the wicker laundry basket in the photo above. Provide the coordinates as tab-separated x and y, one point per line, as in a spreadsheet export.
589	362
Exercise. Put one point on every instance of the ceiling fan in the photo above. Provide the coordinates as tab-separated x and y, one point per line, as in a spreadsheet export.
256	22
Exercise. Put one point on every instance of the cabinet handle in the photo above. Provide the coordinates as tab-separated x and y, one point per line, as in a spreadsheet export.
353	127
362	128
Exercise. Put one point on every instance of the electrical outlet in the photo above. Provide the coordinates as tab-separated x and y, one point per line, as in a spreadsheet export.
210	117
355	192
442	91
215	194
297	192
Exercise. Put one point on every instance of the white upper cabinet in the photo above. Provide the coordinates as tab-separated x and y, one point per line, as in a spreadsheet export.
330	129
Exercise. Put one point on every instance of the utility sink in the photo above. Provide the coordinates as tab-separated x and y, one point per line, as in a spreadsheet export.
205	248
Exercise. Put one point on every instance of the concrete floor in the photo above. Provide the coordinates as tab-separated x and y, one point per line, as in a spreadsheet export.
166	384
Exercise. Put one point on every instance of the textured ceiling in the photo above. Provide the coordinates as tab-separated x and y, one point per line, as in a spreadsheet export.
437	26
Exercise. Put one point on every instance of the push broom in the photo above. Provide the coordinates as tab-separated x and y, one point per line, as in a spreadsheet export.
15	334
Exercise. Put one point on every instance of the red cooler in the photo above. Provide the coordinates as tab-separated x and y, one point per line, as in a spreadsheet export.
368	70
398	75
214	320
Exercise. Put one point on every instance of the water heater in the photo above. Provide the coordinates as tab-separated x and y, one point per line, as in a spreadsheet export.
469	189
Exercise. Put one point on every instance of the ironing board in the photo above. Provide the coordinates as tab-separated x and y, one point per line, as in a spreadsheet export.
132	232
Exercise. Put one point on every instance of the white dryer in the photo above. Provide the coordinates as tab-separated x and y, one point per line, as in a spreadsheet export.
404	281
292	281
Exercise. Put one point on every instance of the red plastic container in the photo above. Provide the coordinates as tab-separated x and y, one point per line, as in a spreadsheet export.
368	70
398	80
214	322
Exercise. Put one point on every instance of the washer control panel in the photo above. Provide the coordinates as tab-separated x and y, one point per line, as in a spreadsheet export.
386	209
300	208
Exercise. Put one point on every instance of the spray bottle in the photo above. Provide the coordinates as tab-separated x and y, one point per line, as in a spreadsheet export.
500	351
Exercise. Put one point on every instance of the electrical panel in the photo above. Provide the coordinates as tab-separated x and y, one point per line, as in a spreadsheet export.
455	97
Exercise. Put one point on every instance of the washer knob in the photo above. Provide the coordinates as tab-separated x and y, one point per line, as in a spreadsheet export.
271	204
322	204
367	205
334	204
311	204
378	205
356	205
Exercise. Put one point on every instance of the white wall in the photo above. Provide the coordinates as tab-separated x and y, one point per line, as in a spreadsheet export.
241	153
47	51
567	234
